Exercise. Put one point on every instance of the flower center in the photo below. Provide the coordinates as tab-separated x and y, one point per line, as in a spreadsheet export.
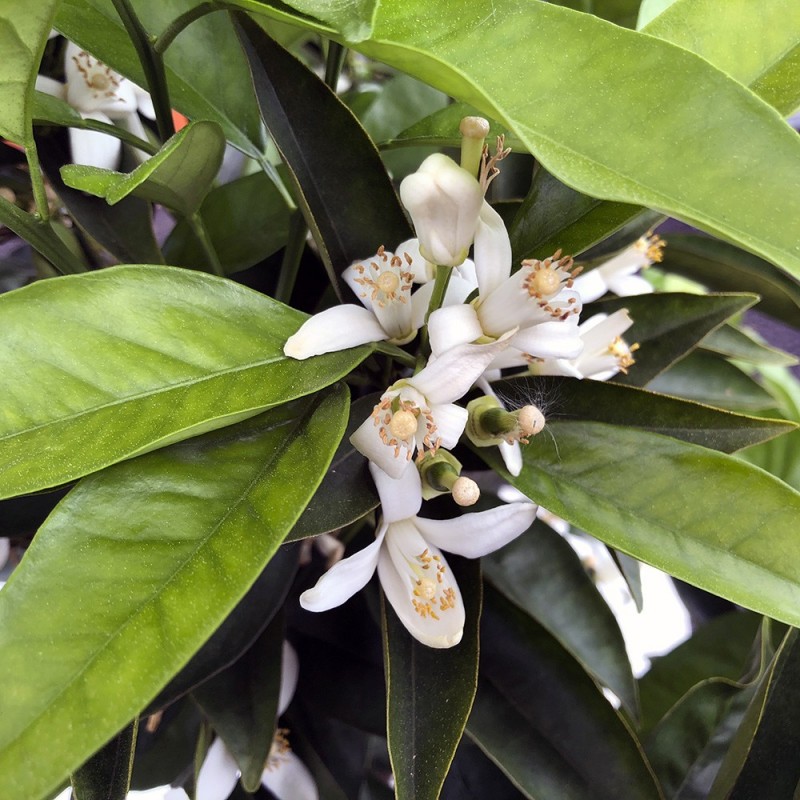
97	76
384	279
545	279
398	422
279	749
429	596
622	353
403	424
652	246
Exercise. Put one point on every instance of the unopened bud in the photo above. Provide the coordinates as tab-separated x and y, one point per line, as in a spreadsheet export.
473	131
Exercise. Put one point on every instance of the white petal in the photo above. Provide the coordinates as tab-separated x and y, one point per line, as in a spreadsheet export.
451	326
420	301
511	454
401	573
288	778
344	578
492	250
555	366
218	775
334	329
5	549
601	329
466	272
450	421
49	86
83	71
290	671
144	103
133	123
626	285
177	793
422	269
474	535
590	285
556	339
92	148
401	497
367	441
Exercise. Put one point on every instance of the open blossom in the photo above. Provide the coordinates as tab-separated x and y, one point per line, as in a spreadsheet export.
412	570
97	92
619	275
605	352
419	413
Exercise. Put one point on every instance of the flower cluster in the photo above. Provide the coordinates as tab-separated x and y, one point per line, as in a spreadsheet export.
477	317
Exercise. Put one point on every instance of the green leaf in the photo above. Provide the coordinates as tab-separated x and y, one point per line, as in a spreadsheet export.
343	189
179	176
247	221
669	325
138	357
540	573
107	774
650	9
719	649
168	545
707	378
222	94
732	342
694	513
621	12
544	722
23	35
724	267
242	703
429	694
596	401
762	760
756	44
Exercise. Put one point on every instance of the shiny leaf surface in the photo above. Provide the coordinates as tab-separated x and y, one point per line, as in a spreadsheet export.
732	342
168	545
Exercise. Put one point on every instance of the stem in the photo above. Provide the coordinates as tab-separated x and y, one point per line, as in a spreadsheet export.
153	66
37	184
199	229
334	63
290	265
168	35
439	289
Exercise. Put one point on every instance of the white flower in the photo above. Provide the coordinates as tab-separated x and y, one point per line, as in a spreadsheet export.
444	202
605	352
419	413
97	92
412	570
389	312
618	274
284	774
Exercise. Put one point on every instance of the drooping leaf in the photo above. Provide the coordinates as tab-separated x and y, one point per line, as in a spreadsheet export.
732	342
570	398
107	774
168	545
179	176
691	512
541	574
142	356
421	682
343	189
23	34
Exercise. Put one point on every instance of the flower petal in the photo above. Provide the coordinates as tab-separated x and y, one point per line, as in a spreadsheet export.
590	285
420	301
492	250
401	497
92	148
288	778
344	578
50	86
5	549
290	671
418	583
450	420
511	453
626	285
366	439
556	339
422	269
452	326
334	329
474	535
218	775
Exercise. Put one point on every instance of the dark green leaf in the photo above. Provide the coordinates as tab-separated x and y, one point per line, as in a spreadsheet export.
430	694
542	575
621	12
707	378
669	325
179	176
133	572
102	366
570	398
694	513
341	184
473	776
107	774
629	569
734	343
242	703
247	221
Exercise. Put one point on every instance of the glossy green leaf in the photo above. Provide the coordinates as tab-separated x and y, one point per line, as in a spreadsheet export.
23	34
758	44
669	325
544	722
429	694
247	221
762	760
719	649
139	357
107	774
699	515
724	267
732	342
540	573
650	9
707	378
343	189
596	401
179	176
222	94
168	545
620	12
242	703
